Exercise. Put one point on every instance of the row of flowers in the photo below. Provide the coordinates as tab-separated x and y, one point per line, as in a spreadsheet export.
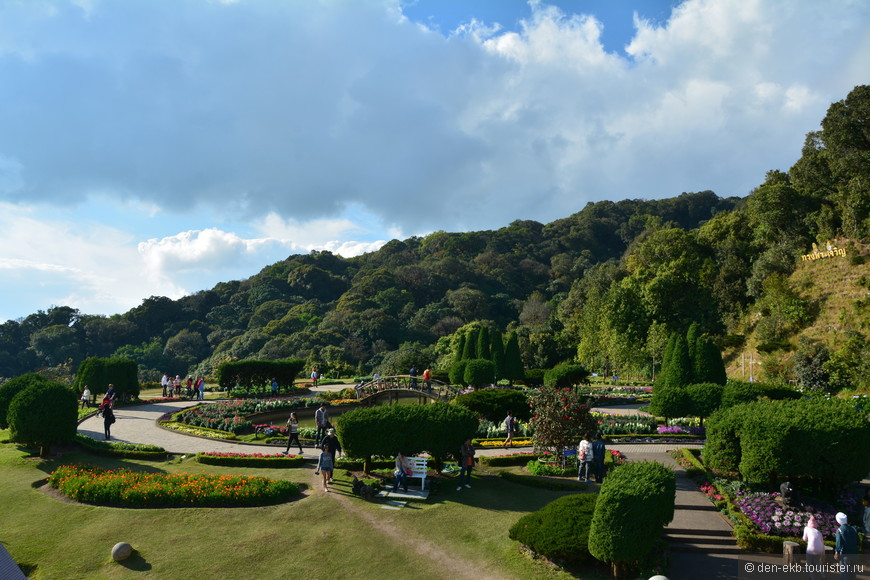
613	424
126	488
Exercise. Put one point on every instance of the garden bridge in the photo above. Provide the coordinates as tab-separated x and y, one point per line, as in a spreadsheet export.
393	387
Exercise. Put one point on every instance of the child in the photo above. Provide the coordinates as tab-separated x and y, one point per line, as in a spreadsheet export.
325	466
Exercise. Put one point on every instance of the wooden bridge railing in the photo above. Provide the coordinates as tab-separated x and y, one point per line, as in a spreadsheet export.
433	388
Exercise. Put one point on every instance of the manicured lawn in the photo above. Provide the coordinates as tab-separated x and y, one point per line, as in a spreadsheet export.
453	535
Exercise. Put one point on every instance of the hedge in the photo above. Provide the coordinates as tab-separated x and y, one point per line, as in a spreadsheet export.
250	460
436	428
636	501
479	372
517	459
98	373
773	441
559	530
119	449
493	404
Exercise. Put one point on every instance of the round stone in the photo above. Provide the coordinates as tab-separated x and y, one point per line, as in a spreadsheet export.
121	551
659	577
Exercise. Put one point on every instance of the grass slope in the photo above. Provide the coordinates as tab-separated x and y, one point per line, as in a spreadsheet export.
453	535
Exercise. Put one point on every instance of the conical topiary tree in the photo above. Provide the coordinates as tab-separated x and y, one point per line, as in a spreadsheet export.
677	369
708	364
483	345
497	353
513	361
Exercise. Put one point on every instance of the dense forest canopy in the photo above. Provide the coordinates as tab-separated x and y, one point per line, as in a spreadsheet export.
604	287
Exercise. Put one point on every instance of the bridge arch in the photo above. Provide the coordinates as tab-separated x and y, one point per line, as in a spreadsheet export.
392	386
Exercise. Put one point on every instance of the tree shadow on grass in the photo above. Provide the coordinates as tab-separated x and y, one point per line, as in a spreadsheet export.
136	562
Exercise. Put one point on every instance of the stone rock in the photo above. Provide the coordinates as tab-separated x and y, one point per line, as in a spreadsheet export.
121	551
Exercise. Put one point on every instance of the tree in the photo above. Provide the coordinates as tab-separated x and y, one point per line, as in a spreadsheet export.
483	343
708	364
677	367
513	362
704	399
809	366
43	414
12	387
559	418
566	375
497	353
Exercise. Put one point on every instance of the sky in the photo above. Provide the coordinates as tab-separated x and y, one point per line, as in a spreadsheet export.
152	148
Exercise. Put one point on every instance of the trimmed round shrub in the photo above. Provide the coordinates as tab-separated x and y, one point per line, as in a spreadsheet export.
737	392
438	428
704	399
493	404
565	375
670	401
559	530
635	502
12	387
479	372
43	414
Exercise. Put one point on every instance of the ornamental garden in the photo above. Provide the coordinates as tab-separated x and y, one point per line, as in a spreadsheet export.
531	516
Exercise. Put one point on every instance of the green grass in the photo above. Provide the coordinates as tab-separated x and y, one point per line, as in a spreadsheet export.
453	534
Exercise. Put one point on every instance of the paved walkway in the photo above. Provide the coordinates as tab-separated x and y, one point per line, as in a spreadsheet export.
699	536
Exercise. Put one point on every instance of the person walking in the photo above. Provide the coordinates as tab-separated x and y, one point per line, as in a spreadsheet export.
321	420
427	379
293	433
331	444
413	374
846	546
325	467
201	389
165	382
510	425
815	547
598	451
86	398
108	420
584	459
466	463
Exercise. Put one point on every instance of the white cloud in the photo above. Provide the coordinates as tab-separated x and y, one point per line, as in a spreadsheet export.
287	121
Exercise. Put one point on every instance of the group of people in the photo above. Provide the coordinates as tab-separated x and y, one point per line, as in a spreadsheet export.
329	447
590	458
105	408
191	388
845	547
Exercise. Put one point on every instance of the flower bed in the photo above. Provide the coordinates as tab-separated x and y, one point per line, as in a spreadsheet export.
611	424
773	519
122	487
198	431
250	459
518	442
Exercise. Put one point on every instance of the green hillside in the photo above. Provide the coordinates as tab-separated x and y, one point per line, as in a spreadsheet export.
603	288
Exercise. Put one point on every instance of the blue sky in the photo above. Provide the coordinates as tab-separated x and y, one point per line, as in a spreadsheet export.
157	148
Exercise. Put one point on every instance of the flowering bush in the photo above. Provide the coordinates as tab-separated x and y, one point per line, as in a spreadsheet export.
617	456
680	430
711	492
198	431
122	487
559	416
519	442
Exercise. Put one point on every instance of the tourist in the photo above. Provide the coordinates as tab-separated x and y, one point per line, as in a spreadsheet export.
330	442
86	398
815	546
108	419
274	387
584	459
321	421
598	451
293	433
110	395
466	463
200	389
165	382
846	545
401	473
427	379
314	377
189	391
510	425
413	374
325	466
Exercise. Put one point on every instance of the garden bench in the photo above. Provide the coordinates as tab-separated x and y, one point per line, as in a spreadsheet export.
419	467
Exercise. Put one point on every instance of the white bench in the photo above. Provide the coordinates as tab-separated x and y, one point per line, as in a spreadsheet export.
419	467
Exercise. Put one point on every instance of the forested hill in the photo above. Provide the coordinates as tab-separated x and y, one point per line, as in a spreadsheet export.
603	286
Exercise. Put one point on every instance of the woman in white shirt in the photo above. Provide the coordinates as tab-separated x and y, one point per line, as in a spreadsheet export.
815	546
